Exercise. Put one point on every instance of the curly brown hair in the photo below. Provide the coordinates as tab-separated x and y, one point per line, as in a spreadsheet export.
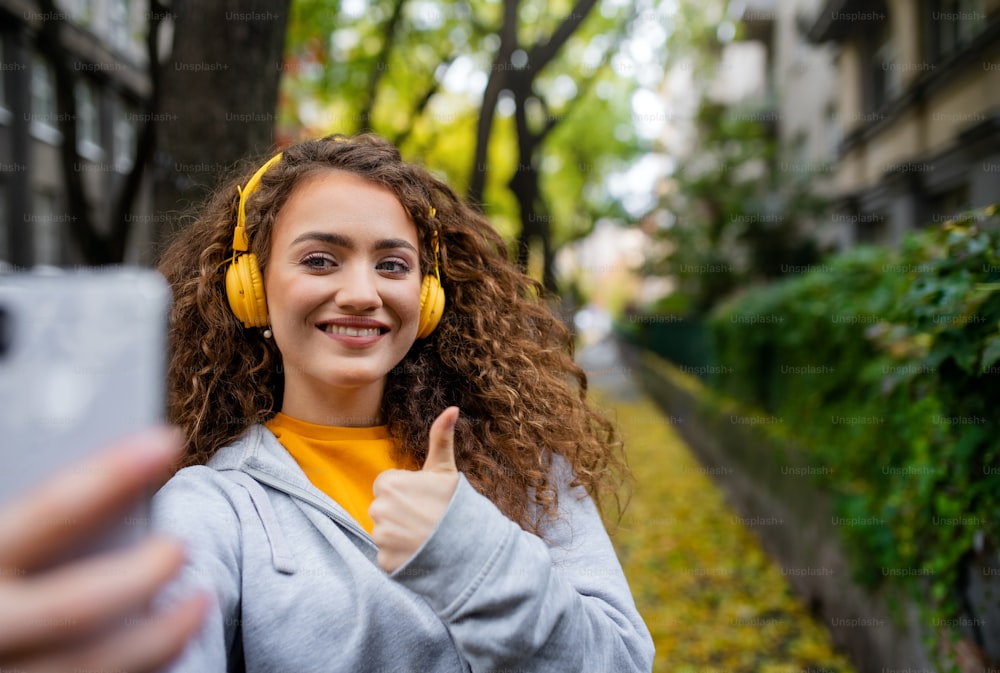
499	353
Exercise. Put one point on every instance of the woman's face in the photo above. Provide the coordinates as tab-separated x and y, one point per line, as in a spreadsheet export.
343	287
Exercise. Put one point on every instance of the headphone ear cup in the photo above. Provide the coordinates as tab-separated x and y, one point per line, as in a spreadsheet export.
245	291
431	306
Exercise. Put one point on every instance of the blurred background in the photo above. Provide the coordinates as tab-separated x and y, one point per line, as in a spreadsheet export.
772	224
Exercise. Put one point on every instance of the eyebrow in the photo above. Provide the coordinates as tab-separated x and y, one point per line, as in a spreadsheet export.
347	242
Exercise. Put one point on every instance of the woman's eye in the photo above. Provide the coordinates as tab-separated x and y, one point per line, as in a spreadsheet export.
318	262
396	266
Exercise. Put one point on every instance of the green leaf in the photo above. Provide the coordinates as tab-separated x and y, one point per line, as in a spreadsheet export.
991	352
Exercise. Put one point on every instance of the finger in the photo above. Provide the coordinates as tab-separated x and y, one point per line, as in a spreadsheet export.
441	444
76	502
379	485
60	605
151	644
390	561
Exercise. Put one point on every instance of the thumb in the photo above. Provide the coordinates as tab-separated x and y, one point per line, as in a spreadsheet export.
441	449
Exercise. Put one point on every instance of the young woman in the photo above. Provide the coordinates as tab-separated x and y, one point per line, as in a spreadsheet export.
331	312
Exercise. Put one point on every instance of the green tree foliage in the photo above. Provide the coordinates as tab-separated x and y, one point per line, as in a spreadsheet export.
728	216
887	361
419	72
735	219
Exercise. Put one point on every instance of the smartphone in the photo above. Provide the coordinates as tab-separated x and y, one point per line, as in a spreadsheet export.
82	363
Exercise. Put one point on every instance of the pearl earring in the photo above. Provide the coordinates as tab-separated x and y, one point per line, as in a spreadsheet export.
267	333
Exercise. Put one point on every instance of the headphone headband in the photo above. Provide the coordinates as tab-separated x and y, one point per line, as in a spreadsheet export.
241	242
436	245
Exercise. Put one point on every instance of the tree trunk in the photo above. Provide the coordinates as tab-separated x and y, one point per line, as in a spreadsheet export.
494	85
219	96
94	248
381	63
535	220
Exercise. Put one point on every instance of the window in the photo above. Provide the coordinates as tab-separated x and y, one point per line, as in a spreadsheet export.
46	228
81	12
4	227
831	131
5	113
885	79
125	142
44	118
800	150
118	23
953	24
946	205
870	229
84	12
88	121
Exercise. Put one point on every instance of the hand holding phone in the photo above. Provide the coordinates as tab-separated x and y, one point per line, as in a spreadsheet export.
90	614
82	360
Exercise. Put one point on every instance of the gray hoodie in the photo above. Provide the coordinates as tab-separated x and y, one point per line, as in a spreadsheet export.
297	587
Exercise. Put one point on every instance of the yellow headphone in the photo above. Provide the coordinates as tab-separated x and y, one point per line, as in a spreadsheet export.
245	284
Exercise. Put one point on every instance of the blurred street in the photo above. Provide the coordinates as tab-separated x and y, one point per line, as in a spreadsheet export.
710	596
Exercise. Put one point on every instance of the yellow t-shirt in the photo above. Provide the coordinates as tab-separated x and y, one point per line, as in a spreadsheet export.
341	462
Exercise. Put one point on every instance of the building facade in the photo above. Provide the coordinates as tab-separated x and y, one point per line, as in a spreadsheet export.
890	107
105	44
915	120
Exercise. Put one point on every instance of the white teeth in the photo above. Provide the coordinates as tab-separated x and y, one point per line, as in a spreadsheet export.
352	331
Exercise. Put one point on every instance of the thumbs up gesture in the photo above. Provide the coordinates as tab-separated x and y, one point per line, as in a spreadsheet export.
409	504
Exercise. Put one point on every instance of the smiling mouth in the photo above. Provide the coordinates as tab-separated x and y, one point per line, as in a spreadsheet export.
353	331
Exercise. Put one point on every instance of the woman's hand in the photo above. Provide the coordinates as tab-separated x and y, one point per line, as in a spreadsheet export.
90	613
409	504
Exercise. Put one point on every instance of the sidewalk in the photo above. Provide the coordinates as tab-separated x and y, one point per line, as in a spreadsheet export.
712	599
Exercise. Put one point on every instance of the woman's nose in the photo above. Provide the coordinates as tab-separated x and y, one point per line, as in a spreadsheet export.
359	291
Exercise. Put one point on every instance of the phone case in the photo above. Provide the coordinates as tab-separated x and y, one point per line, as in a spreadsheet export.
82	363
